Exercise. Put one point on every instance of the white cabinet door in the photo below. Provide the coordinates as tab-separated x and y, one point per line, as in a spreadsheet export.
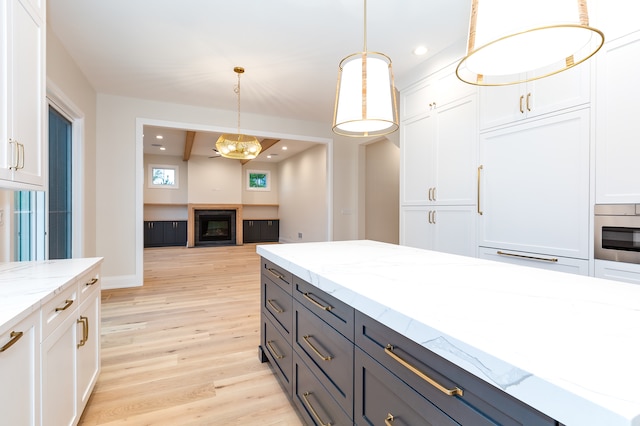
535	186
558	264
618	271
501	105
23	103
449	229
20	373
59	378
88	348
618	123
416	150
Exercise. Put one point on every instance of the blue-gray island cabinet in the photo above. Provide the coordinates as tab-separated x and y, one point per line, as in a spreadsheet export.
361	332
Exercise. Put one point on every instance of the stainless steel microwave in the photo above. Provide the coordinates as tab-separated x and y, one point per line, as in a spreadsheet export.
617	232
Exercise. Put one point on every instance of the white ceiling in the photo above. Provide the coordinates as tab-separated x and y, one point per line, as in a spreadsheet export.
184	51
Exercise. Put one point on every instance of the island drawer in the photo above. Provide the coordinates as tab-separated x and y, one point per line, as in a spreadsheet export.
59	308
327	353
280	354
88	283
277	274
382	398
334	312
480	402
314	402
278	304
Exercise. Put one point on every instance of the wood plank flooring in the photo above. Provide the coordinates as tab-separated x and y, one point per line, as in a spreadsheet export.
183	349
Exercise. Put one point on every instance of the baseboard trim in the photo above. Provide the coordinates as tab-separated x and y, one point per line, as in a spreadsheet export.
122	281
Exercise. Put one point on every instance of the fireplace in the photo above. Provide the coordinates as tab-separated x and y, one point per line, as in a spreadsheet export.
214	227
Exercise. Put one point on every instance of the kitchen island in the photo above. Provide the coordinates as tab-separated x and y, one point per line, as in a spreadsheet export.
564	345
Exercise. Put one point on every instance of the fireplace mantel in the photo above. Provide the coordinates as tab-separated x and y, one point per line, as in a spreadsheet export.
191	219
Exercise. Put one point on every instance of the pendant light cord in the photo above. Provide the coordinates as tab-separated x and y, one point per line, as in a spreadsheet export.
238	92
365	26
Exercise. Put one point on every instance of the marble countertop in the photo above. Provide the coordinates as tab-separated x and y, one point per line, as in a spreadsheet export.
25	286
565	344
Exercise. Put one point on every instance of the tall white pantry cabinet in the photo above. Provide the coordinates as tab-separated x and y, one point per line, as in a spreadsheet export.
22	94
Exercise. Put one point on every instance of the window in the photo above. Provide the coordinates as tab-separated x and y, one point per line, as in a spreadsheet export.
163	176
258	180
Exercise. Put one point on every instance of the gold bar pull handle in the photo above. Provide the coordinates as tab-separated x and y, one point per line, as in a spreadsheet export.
67	303
522	256
275	307
529	101
314	349
14	155
313	410
20	156
479	170
276	273
315	302
451	392
92	282
85	330
275	353
388	421
15	336
521	109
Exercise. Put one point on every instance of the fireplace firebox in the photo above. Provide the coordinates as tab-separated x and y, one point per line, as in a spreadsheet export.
215	227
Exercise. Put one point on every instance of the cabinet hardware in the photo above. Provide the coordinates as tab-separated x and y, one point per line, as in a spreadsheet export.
15	336
388	421
67	303
92	282
275	353
313	410
521	109
275	307
85	330
478	201
276	274
528	101
315	302
15	163
522	256
451	392
314	349
433	217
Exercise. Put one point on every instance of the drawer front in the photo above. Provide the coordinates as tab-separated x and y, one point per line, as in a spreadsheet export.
334	312
58	309
88	283
279	351
328	353
278	304
314	402
381	397
277	274
480	404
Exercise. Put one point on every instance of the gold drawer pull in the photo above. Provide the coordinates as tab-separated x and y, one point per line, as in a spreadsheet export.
313	348
389	420
315	302
313	410
15	336
274	306
522	256
478	200
92	282
85	330
67	303
275	353
276	273
451	392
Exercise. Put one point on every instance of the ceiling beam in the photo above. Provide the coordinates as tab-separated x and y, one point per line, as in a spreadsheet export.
188	145
266	144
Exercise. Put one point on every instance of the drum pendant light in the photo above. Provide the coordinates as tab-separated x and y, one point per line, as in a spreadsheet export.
513	41
365	95
239	146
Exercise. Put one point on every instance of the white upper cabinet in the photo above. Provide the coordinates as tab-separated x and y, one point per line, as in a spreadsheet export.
22	97
501	105
618	122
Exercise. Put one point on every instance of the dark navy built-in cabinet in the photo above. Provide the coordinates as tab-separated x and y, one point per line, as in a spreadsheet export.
340	367
161	233
260	231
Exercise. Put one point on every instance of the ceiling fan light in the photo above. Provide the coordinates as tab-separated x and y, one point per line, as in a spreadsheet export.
513	41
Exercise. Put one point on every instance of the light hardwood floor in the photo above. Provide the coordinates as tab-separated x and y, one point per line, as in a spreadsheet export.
183	349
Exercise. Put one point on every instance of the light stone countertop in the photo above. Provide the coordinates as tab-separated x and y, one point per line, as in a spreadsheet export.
25	286
565	344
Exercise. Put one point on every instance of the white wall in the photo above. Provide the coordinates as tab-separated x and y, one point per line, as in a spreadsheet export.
382	187
214	181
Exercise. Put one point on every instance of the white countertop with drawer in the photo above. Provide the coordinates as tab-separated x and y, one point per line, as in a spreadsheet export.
564	344
25	286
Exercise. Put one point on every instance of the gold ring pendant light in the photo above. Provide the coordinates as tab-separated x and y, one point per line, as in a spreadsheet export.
365	95
238	146
513	41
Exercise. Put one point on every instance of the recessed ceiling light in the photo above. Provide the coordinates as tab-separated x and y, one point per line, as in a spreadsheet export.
284	148
268	156
420	50
159	137
162	148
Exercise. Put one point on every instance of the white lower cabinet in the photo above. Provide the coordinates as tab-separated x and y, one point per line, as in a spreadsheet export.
552	263
449	229
88	349
20	373
618	271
